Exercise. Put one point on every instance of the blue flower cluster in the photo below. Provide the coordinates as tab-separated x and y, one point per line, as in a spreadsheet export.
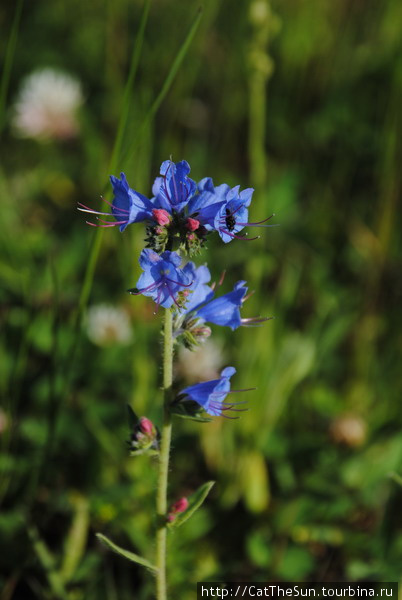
181	212
179	216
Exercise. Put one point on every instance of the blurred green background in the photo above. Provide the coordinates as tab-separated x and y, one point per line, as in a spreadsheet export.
300	99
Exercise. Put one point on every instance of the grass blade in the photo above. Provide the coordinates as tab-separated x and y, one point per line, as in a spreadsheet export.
8	60
48	563
135	59
165	87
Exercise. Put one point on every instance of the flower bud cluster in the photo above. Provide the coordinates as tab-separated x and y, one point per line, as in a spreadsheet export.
144	435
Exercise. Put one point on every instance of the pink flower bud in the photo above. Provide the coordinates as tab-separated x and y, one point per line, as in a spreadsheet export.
191	237
180	506
147	426
192	224
161	216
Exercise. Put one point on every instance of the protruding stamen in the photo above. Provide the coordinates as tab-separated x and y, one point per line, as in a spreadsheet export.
245	390
116	207
222	277
109	224
259	222
179	283
255	321
84	208
171	295
113	224
239	237
146	289
248	296
256	224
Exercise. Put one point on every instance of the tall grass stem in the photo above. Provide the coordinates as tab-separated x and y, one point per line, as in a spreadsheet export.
8	60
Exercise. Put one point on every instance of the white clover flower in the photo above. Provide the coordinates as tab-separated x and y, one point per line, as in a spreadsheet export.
108	325
46	106
202	364
349	429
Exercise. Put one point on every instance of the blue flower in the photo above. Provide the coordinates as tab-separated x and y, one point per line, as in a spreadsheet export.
210	395
206	204
225	310
173	189
202	307
232	215
162	279
199	292
128	206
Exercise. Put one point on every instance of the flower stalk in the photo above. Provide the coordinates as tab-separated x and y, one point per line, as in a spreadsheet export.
166	433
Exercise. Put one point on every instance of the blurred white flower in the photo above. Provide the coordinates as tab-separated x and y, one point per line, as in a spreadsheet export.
108	325
202	364
349	429
46	106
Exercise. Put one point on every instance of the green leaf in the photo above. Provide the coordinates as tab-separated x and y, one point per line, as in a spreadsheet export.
189	410
194	503
129	555
192	417
143	451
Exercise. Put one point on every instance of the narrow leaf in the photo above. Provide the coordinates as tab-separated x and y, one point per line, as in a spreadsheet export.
8	60
192	417
164	90
144	451
48	563
194	503
74	546
129	555
128	92
189	410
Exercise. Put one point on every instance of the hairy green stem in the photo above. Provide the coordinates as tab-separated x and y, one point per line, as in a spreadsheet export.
161	497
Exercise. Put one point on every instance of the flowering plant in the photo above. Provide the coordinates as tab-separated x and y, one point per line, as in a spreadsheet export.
179	217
